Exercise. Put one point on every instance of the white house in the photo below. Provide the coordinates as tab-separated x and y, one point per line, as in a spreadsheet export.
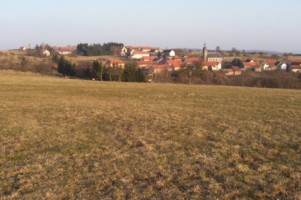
215	66
136	55
65	50
269	65
124	51
283	66
169	53
46	53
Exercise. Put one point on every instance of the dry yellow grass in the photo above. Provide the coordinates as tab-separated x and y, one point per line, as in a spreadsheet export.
74	139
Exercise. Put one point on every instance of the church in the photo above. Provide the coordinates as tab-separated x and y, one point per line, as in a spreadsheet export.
211	56
211	60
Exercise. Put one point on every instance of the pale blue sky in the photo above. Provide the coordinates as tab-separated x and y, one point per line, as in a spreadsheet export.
244	24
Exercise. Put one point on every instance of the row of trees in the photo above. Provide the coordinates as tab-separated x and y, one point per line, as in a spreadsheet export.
268	79
99	71
85	49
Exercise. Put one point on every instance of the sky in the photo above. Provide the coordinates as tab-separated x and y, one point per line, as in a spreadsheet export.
269	25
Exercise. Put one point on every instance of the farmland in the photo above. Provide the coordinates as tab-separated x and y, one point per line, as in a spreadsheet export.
74	139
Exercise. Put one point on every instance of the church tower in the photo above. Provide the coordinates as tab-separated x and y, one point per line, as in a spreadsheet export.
205	53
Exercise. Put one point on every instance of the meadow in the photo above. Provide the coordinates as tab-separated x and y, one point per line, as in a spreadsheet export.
75	139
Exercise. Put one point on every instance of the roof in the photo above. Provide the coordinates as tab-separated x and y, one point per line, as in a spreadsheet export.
214	55
161	67
141	47
270	62
207	63
175	63
117	62
250	64
296	60
141	52
193	59
295	67
140	63
168	50
68	48
295	63
235	68
145	58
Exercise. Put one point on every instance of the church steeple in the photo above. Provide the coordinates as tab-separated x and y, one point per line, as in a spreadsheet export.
205	53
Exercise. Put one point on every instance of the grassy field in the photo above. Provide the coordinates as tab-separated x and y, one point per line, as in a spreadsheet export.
74	139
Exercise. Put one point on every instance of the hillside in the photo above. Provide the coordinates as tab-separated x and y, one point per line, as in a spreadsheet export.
74	139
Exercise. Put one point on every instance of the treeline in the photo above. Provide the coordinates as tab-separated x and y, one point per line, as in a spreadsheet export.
268	79
110	48
97	70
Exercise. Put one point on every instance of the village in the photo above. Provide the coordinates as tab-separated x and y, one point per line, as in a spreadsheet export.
154	60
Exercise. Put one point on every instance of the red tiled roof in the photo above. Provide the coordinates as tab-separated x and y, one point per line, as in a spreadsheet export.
251	64
296	62
193	60
146	58
162	67
235	68
175	63
270	62
141	63
151	58
207	63
117	62
68	48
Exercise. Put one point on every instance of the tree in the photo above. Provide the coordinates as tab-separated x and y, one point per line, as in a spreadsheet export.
132	73
97	49
24	63
218	49
97	70
65	67
237	62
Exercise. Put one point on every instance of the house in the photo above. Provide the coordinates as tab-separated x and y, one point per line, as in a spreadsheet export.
269	65
233	71
176	64
116	63
169	54
214	66
46	53
148	49
295	66
64	50
156	69
283	66
129	50
192	60
137	55
236	70
143	63
154	52
251	66
23	48
149	58
124	51
214	57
